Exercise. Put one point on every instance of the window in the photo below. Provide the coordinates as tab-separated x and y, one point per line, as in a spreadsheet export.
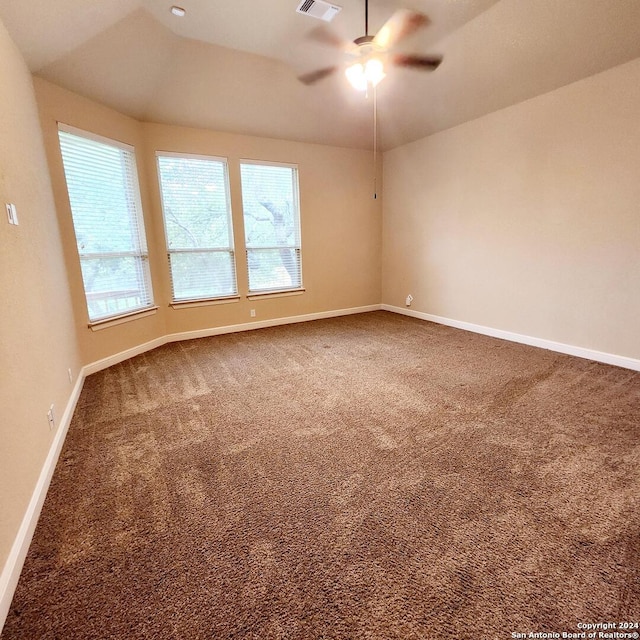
102	182
197	220
271	226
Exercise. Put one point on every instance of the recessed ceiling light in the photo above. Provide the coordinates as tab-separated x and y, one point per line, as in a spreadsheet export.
178	11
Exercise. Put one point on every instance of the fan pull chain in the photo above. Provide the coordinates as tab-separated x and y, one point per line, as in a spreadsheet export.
375	143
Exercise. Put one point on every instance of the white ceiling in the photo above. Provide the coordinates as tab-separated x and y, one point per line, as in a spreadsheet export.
231	64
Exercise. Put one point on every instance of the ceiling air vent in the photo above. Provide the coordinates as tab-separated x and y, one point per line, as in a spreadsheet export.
319	9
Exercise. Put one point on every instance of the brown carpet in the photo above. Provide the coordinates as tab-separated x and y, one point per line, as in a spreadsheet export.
371	476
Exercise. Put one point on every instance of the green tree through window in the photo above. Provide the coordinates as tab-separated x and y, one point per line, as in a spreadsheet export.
272	226
102	183
197	218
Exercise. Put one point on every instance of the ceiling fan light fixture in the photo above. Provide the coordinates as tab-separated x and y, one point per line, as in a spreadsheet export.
361	76
374	71
355	76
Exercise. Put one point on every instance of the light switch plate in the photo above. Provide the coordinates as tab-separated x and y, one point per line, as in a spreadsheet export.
12	214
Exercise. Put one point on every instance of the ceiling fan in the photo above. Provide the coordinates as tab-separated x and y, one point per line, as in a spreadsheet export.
371	53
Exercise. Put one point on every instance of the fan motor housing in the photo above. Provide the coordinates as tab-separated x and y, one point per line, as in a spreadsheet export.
363	40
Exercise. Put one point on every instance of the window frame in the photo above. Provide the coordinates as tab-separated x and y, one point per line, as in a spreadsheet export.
142	254
197	301
276	291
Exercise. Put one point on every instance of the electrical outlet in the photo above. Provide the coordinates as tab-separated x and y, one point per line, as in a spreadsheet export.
409	300
252	313
51	418
70	374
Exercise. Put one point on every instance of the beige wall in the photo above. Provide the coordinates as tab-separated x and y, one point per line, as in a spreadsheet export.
37	332
526	220
57	105
341	222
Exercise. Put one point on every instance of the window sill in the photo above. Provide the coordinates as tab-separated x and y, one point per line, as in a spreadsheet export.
125	317
188	304
275	294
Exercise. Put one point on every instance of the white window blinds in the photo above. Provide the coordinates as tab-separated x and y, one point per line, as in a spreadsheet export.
102	182
272	226
197	219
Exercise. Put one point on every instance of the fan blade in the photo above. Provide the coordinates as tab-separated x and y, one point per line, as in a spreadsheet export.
333	40
400	25
315	76
427	63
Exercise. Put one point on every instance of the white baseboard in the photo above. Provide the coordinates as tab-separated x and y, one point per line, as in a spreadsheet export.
13	566
560	347
109	361
216	331
263	324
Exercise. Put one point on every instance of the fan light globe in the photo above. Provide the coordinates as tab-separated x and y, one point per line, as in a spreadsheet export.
374	71
355	75
361	76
